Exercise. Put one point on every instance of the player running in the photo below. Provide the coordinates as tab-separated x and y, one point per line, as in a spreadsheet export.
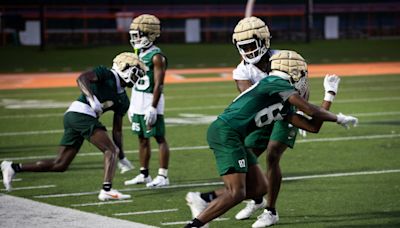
102	90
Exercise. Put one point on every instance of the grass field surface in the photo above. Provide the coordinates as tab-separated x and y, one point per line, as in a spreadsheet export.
337	178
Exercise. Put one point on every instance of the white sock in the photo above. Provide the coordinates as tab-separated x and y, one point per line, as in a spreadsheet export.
163	172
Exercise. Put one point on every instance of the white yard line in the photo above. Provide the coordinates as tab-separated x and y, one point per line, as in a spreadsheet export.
14	179
373	172
33	187
146	212
206	147
101	203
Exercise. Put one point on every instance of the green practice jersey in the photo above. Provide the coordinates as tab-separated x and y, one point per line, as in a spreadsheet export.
108	91
259	106
146	83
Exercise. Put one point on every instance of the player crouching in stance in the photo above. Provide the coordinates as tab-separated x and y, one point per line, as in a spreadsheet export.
102	90
273	98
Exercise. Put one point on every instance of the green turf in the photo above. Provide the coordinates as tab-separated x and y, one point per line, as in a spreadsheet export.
352	201
30	59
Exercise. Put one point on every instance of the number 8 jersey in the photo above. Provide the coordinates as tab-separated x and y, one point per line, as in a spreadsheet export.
260	105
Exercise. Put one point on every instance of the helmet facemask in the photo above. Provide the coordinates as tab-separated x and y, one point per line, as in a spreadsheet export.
251	50
302	85
139	40
130	75
129	67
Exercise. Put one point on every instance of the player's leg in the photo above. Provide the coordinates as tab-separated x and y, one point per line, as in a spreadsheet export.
139	128
234	163
274	173
101	140
282	136
59	164
162	176
144	160
257	143
158	131
69	147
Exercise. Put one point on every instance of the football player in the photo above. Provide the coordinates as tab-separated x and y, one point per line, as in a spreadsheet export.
252	39
146	111
275	97
102	90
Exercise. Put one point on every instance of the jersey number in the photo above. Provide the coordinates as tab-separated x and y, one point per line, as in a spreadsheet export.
143	83
268	114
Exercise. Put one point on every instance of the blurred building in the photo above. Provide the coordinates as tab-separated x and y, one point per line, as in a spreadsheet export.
61	22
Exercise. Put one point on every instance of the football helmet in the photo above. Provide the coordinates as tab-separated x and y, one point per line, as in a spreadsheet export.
144	30
129	67
291	66
251	37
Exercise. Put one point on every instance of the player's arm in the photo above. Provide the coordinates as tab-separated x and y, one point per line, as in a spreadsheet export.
117	130
160	66
318	115
242	85
84	81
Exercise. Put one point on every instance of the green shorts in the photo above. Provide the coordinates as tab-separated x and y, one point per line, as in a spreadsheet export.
77	128
139	126
229	151
281	131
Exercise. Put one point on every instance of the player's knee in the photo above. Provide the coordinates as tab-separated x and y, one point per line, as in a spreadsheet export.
160	139
144	142
237	195
59	167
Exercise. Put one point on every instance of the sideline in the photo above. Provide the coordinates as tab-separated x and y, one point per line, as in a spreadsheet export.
21	212
54	80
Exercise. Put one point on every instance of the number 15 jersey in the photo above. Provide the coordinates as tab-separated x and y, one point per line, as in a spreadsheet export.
259	106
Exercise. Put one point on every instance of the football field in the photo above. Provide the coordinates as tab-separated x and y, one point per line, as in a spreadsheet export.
337	178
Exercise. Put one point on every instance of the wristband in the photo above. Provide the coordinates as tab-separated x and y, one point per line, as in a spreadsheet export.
329	97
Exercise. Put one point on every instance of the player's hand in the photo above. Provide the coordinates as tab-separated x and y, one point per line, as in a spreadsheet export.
130	115
303	133
150	116
346	121
95	105
331	85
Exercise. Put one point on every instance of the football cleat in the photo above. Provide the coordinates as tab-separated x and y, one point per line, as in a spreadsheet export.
159	181
195	203
8	174
112	195
125	165
139	179
251	208
266	219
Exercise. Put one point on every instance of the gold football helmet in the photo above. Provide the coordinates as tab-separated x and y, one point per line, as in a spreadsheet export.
129	67
292	67
251	37
144	30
